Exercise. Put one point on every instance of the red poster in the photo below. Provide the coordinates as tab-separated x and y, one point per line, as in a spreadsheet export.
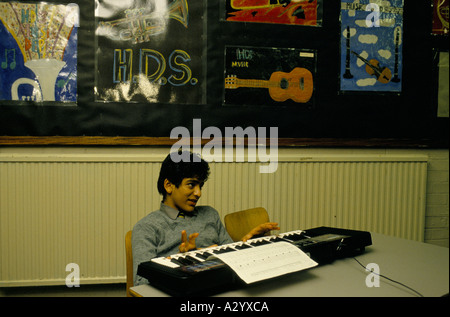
297	12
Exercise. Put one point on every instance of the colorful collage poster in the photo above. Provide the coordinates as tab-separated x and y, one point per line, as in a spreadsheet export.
269	76
38	51
149	51
295	12
371	45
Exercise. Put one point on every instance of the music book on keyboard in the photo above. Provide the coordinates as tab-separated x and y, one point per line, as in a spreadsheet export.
267	261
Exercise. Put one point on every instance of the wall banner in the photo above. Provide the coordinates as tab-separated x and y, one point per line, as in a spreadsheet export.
150	51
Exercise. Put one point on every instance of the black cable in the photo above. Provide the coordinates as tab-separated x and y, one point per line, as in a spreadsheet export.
383	276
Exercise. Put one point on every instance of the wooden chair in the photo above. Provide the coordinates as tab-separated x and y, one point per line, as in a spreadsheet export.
129	258
239	223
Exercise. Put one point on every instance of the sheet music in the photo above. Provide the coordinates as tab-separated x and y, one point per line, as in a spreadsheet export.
267	261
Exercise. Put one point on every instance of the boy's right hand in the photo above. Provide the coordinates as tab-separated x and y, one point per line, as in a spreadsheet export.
187	244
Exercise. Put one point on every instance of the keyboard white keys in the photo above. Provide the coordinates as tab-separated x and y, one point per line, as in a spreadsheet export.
165	261
184	258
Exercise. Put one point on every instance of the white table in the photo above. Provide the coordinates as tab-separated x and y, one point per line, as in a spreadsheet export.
423	267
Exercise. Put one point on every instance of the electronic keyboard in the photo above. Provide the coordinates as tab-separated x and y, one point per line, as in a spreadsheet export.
198	272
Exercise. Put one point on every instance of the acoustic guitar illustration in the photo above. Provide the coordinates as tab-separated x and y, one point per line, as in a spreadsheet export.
296	85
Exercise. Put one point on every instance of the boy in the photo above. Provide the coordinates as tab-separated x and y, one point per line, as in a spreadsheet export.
158	234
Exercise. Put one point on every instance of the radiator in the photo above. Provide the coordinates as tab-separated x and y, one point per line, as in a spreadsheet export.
60	209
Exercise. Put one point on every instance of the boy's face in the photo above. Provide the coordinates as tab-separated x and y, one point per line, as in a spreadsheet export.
184	197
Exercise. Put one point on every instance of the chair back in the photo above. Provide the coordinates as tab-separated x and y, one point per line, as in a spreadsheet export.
239	223
129	260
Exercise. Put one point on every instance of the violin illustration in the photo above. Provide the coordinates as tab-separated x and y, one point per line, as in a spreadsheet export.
373	68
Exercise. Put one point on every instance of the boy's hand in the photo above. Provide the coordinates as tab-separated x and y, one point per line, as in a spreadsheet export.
187	244
261	229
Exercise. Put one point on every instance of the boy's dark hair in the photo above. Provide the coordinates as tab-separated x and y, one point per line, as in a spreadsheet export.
190	165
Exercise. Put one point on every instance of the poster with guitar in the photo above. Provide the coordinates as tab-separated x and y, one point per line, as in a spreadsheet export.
371	46
269	76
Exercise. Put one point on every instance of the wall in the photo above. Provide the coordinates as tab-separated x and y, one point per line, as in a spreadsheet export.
437	200
437	208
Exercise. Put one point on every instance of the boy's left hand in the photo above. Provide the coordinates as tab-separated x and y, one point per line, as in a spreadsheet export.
261	229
